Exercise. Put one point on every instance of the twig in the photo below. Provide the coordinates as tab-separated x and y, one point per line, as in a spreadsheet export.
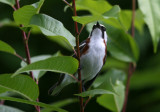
86	102
67	3
20	57
14	8
131	65
25	39
78	55
81	29
2	102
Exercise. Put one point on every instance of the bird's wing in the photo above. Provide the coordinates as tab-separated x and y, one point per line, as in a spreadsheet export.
56	88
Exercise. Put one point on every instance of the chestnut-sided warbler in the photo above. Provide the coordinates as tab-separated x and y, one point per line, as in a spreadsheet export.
92	58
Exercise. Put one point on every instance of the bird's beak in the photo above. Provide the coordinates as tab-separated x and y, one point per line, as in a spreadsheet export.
98	25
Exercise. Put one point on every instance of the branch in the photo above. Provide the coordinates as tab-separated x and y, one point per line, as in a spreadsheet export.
67	3
20	57
131	65
78	55
28	57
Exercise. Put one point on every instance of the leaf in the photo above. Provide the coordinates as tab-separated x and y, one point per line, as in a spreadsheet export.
60	104
37	74
125	18
24	14
94	92
4	47
38	5
121	45
113	12
113	102
52	28
111	81
21	84
59	64
33	103
9	2
87	19
139	21
4	108
95	7
107	80
150	10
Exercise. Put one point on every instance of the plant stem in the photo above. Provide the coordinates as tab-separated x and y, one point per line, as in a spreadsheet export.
131	65
67	3
28	57
2	102
20	57
78	55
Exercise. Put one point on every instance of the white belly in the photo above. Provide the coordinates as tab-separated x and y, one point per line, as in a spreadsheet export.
92	61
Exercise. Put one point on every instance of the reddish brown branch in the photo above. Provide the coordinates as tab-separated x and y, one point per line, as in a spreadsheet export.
28	57
67	4
131	65
78	55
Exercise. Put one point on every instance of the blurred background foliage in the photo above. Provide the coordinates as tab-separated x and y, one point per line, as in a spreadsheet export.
144	95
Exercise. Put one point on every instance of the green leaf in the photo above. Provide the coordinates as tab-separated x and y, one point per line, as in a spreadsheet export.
4	47
139	21
59	64
107	80
4	108
87	19
60	104
122	46
37	74
150	10
52	28
21	84
95	7
113	12
38	5
125	18
33	103
111	81
94	92
9	2
113	102
24	14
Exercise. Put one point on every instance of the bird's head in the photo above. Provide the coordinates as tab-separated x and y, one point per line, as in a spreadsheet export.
98	30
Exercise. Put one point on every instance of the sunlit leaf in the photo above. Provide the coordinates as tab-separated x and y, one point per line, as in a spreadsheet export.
93	6
9	2
150	10
94	92
33	103
38	5
113	12
4	47
21	84
59	64
4	108
24	14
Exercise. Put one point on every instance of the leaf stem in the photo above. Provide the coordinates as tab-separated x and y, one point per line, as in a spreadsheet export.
2	102
78	55
131	65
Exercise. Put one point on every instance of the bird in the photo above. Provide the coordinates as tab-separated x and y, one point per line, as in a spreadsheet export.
93	52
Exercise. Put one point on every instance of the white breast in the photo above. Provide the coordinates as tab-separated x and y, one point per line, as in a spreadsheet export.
92	61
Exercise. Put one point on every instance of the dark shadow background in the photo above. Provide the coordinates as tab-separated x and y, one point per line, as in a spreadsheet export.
38	45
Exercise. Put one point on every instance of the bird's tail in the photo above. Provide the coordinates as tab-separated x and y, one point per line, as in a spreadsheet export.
63	81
